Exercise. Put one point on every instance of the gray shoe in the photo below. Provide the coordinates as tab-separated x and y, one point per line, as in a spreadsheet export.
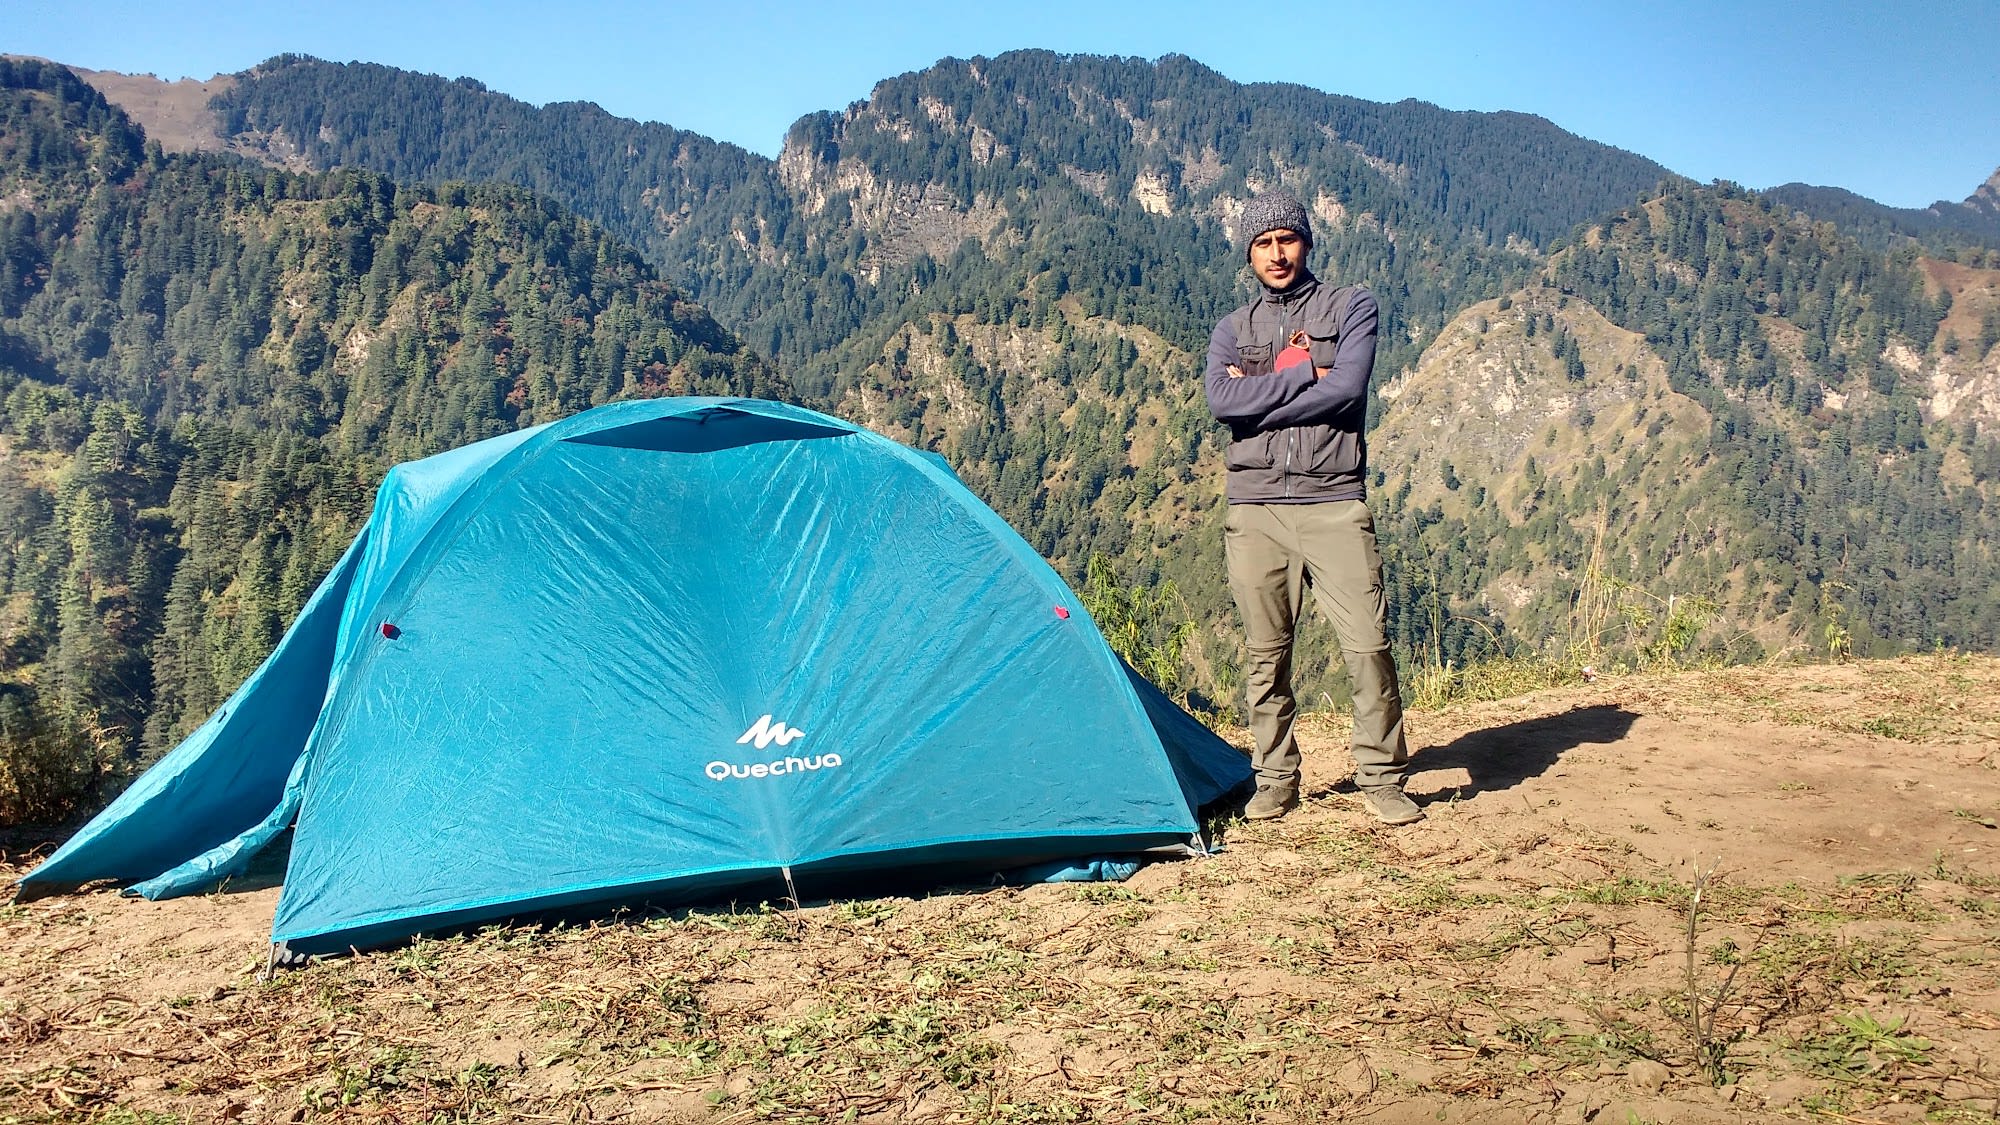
1390	805
1271	802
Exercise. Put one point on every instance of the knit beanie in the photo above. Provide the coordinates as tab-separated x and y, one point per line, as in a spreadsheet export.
1274	210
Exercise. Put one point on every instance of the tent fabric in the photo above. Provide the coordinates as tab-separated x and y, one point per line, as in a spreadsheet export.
664	648
198	800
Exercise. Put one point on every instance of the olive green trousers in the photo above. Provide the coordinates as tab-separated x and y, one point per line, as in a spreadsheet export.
1276	551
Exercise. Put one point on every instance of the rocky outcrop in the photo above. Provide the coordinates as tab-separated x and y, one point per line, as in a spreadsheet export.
904	219
1986	200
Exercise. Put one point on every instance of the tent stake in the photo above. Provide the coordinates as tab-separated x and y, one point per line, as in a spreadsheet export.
786	869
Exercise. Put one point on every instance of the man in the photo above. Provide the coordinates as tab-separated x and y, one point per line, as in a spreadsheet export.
1288	373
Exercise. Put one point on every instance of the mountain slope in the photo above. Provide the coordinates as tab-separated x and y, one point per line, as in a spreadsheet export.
1709	398
757	242
1963	229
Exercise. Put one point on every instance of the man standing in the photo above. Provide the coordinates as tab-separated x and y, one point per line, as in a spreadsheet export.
1288	373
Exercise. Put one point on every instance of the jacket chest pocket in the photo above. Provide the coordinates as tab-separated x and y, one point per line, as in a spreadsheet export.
1254	359
1322	329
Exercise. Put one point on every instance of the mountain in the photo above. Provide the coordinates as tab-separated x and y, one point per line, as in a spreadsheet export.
1961	230
1712	397
1985	200
205	366
178	115
939	157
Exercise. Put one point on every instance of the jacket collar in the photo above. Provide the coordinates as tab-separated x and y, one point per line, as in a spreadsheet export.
1289	298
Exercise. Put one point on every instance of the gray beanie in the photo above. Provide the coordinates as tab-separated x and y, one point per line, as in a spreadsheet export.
1274	210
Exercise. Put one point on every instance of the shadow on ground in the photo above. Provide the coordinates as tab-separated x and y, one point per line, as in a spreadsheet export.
1503	757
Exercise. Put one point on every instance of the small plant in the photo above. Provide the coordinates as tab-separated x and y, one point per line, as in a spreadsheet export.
1626	890
871	912
1104	892
1833	623
1428	686
1150	629
50	760
1864	1047
1699	1011
1831	960
1659	633
1664	629
1619	1038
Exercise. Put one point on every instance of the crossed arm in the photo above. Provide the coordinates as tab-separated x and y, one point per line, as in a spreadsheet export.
1301	393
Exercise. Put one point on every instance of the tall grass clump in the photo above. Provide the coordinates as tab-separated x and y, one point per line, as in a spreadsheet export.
1149	628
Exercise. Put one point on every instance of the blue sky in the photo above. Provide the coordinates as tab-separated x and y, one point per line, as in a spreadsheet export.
1900	102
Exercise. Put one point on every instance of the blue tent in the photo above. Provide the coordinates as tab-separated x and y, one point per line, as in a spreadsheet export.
662	649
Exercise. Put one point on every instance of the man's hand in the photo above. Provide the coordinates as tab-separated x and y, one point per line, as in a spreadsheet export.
1302	343
1298	349
1235	372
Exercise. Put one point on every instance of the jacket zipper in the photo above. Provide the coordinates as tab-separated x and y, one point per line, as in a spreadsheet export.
1291	432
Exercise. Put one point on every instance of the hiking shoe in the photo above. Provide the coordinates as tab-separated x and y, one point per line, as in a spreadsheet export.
1271	802
1390	805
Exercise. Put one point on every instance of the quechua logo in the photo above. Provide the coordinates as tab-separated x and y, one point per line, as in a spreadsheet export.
762	734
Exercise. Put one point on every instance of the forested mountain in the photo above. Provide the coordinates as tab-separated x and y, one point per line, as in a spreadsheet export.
799	255
1684	419
1968	231
205	366
1712	398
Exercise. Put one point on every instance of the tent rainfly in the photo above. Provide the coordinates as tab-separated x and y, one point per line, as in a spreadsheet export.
669	649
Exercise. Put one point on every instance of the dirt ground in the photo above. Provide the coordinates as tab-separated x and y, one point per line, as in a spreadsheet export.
1742	895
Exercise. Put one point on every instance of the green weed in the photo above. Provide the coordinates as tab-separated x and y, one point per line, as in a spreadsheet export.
1149	628
1828	959
1862	1047
1103	892
868	911
1627	890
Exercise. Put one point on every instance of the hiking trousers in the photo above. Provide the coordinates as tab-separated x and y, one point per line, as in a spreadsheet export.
1274	552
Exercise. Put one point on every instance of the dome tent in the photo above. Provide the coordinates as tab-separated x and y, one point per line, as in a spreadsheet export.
663	648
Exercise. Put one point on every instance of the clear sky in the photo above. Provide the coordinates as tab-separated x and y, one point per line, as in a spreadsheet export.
1897	101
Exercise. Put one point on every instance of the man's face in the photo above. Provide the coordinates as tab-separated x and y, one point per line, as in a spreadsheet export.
1278	257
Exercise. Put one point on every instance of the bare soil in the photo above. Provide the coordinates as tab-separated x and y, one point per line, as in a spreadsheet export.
1535	950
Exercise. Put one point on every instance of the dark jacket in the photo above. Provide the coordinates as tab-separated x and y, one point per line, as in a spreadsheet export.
1295	438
